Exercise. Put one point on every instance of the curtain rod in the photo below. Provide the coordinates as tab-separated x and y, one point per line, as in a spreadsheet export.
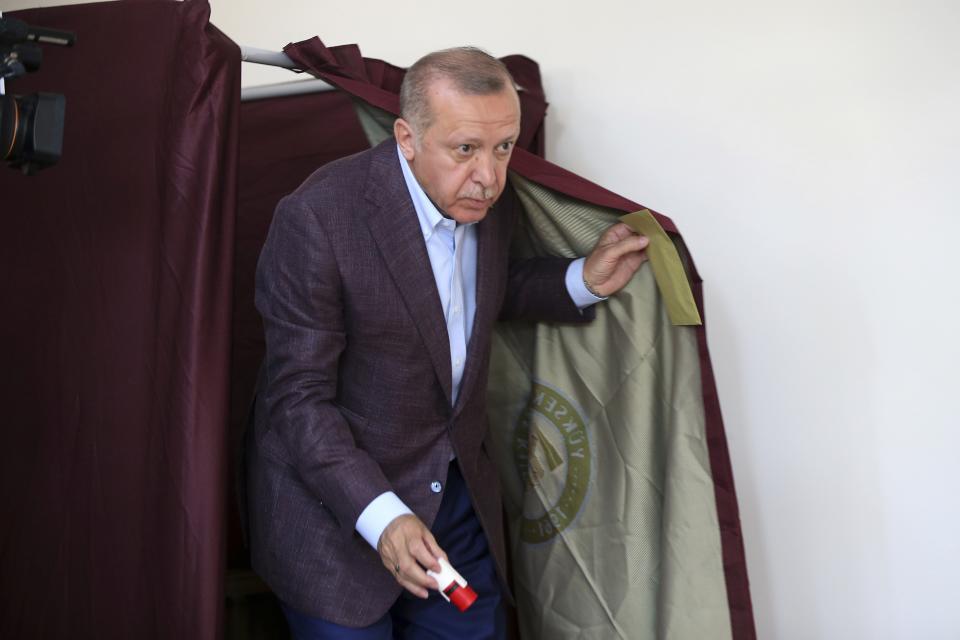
265	56
280	59
295	88
277	59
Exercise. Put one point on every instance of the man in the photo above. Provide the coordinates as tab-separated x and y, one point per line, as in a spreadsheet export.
379	284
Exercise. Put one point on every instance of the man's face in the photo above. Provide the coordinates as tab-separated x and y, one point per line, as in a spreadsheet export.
461	159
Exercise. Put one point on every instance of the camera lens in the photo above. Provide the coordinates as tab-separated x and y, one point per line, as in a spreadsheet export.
10	126
31	129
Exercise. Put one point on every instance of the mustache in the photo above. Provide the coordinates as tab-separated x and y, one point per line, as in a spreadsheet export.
479	193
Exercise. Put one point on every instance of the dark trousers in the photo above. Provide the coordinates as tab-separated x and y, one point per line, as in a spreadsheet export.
458	532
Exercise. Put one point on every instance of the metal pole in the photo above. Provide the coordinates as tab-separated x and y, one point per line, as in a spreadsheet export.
265	56
277	59
296	88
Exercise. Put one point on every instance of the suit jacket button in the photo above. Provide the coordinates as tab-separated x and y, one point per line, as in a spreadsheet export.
436	487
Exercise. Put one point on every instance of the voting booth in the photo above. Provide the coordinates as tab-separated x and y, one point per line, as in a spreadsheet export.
133	347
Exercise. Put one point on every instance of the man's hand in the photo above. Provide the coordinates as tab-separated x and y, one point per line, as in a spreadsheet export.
616	257
407	549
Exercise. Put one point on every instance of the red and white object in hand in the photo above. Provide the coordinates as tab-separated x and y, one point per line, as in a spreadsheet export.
452	586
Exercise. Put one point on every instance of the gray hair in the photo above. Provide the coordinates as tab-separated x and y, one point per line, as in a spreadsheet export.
472	71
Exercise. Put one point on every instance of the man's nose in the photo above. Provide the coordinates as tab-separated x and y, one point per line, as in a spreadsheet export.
484	171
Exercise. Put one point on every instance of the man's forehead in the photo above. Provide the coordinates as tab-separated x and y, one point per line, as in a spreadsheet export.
449	103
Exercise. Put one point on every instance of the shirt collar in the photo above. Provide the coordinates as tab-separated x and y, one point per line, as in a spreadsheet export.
427	213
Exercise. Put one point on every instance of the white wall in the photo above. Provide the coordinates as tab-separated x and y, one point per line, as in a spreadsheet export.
810	154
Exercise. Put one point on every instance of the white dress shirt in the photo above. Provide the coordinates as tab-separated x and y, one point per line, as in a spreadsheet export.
452	249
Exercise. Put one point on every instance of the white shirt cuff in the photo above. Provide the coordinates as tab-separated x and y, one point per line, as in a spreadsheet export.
378	514
576	288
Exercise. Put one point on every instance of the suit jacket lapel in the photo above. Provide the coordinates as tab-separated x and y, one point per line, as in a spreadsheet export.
396	230
487	259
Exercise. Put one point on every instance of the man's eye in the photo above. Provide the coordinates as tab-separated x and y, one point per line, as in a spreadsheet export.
506	146
464	148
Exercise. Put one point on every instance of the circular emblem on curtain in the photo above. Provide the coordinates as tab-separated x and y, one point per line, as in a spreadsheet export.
551	450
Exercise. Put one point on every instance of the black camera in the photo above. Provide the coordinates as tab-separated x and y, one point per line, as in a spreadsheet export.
31	127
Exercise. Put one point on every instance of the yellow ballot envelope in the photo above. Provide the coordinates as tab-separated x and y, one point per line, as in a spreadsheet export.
667	268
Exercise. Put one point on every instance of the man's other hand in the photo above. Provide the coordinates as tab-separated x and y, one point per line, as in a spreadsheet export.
407	549
616	257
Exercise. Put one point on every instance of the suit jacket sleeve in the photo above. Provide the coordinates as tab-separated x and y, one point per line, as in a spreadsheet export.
537	292
299	296
536	287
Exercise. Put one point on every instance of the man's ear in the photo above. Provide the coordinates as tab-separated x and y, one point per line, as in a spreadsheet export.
406	138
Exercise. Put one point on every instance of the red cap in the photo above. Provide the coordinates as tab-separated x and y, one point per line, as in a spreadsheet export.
463	597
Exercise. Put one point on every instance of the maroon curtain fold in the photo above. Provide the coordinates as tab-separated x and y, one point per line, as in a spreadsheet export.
116	280
328	64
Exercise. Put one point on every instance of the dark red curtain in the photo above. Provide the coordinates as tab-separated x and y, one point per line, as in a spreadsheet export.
116	286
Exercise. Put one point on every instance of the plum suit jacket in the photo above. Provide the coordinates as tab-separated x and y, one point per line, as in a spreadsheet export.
354	398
